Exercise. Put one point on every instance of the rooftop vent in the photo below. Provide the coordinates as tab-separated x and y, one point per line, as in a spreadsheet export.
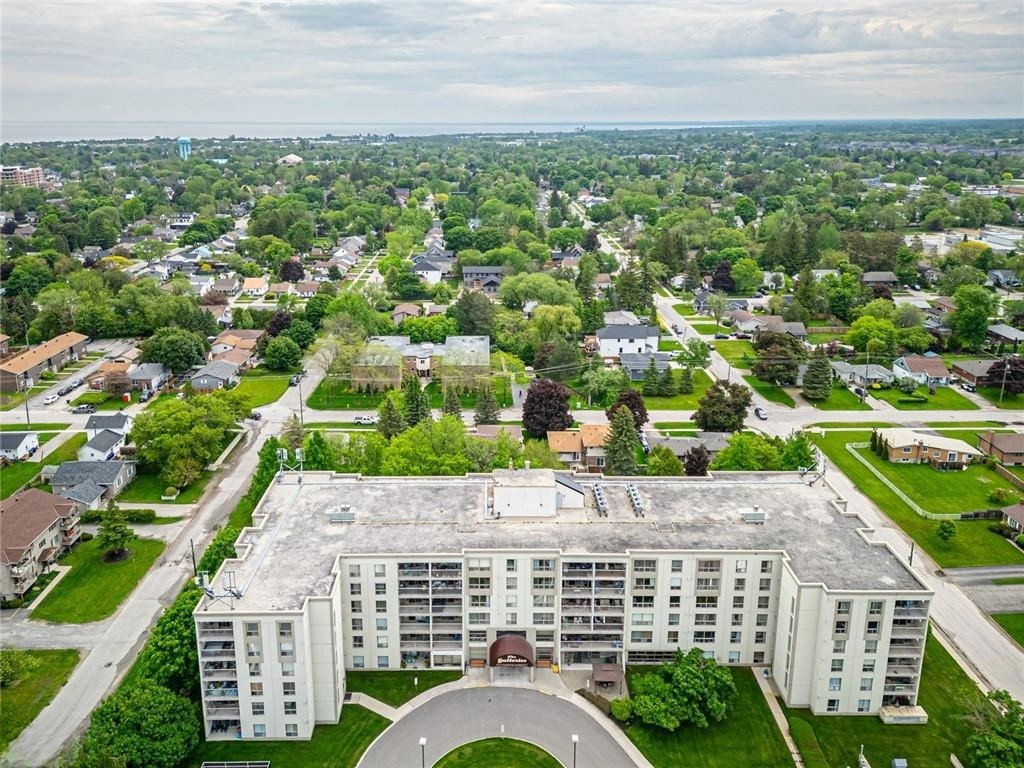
635	500
754	516
342	514
600	501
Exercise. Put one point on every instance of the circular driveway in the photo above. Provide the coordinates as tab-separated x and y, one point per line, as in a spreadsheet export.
459	717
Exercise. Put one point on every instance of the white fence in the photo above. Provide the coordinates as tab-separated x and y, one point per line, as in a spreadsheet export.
852	448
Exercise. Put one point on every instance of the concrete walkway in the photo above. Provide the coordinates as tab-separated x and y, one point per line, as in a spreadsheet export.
768	690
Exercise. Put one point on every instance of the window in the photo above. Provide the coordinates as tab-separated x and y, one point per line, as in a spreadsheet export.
291	729
643	601
761	620
382	625
479	582
479	618
379	570
543	601
835	683
511	583
357	625
741	566
735	637
543	582
759	657
863	705
840	628
259	730
382	606
257	708
543	565
677	566
737	602
871	646
637	636
543	618
838	646
907	449
766	566
868	666
255	670
255	689
353	571
704	636
673	619
287	670
380	588
734	657
843	608
480	601
643	619
760	637
476	636
510	565
737	620
290	708
873	627
357	641
707	602
288	689
675	582
479	563
357	606
355	589
762	603
511	601
705	619
837	665
511	618
875	608
382	662
709	566
644	566
252	629
358	662
832	706
866	683
765	585
382	641
673	601
739	585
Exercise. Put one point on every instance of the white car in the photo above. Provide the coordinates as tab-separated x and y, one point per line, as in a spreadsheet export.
365	420
50	399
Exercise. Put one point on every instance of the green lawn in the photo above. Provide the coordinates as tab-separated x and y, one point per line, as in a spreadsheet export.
263	387
1013	623
334	394
345	425
683	308
841	399
822	338
974	544
955	708
45	426
16	475
769	392
499	386
944	399
669	345
332	746
396	687
701	382
1008	581
10	401
94	589
25	699
739	354
1015	402
852	425
45	437
687	425
104	401
748	738
148	488
497	753
710	328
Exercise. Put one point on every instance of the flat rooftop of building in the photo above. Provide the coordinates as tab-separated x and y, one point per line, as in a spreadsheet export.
302	528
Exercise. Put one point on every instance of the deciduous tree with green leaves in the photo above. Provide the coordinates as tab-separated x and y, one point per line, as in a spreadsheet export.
723	407
662	462
114	535
691	690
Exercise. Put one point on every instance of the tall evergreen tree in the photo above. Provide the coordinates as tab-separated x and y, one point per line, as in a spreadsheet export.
415	405
818	378
650	388
686	381
487	410
667	383
451	406
317	455
620	447
390	419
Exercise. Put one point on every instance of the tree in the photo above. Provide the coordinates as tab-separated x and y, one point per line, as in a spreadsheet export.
818	378
946	530
696	461
696	353
390	419
141	726
686	381
279	322
546	408
634	401
415	403
745	208
1008	375
717	304
667	383
14	664
622	442
662	462
114	534
747	275
487	410
1001	743
777	364
749	452
428	448
970	320
691	689
174	348
292	434
723	408
317	453
474	314
291	271
721	280
282	354
451	406
880	334
651	379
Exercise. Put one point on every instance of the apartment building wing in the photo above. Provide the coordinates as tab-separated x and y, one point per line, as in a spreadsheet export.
908	446
35	527
342	572
24	369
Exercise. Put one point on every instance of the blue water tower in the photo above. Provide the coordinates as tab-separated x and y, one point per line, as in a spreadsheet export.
184	147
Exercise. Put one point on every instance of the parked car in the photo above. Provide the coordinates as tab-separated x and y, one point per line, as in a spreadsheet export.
50	399
76	383
364	420
859	391
759	412
84	408
255	415
294	380
966	386
63	391
677	329
741	335
145	395
721	335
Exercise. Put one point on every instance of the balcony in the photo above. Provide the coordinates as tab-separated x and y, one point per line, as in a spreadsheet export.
447	645
908	631
224	729
590	644
412	573
446	610
215	710
904	670
455	589
405	590
225	692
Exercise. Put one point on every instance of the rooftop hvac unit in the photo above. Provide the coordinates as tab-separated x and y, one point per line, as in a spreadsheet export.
635	500
342	514
755	516
601	501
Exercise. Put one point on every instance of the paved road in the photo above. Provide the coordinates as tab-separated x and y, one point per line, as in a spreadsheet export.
480	713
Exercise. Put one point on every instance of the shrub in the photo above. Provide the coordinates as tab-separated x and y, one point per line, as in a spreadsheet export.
170	490
622	710
86	536
1020	540
1003	530
48	376
999	495
946	530
15	603
14	664
597	700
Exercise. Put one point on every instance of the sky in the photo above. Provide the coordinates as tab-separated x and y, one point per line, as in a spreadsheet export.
468	61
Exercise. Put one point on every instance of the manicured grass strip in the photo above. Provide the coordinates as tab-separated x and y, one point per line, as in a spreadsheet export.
852	425
747	738
944	399
955	709
710	328
841	399
332	746
807	743
104	401
675	425
769	392
683	308
739	354
1013	624
43	426
1007	581
396	687
963	424
149	488
701	382
973	544
264	387
18	474
1012	402
94	589
25	699
497	753
345	425
669	345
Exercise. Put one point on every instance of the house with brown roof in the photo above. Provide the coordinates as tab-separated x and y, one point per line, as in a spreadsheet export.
255	286
236	339
402	311
1004	448
907	446
24	369
974	371
1013	516
567	445
109	372
35	527
925	370
281	289
307	290
582	448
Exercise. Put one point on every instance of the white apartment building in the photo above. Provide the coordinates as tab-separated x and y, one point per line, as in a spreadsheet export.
523	568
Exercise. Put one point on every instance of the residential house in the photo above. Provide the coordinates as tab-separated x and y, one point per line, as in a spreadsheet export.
431	310
427	271
107	373
200	285
1005	334
236	339
214	375
18	446
712	442
862	375
149	376
603	283
24	369
613	340
796	330
103	447
256	286
116	422
1013	516
975	372
402	311
879	278
277	290
567	445
1002	278
221	313
744	321
906	446
621	317
481	278
35	528
636	363
945	304
1006	448
594	437
384	360
92	483
925	370
227	286
307	289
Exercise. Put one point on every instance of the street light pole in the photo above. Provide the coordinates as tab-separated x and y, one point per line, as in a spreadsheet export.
28	418
302	421
575	743
423	752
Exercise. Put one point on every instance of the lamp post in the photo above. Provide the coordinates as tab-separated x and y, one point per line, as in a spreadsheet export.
423	752
575	743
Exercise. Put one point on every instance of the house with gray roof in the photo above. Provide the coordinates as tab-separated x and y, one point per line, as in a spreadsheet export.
103	447
636	363
481	278
614	340
116	422
218	374
862	375
148	376
92	482
384	361
18	446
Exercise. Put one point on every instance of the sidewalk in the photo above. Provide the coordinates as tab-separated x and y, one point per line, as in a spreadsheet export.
780	718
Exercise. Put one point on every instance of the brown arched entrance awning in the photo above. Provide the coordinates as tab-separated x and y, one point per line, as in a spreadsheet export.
511	651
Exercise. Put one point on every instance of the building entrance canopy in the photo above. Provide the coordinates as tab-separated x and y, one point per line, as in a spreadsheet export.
511	651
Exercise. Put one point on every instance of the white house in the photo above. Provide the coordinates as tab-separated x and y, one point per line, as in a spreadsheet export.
18	446
430	273
928	371
117	422
255	286
103	447
613	340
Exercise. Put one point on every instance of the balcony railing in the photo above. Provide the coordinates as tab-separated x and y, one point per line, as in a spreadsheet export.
221	693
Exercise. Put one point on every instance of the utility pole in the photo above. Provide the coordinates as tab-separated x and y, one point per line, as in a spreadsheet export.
28	418
1006	371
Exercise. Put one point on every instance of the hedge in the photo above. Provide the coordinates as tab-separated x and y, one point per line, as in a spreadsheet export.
807	743
130	515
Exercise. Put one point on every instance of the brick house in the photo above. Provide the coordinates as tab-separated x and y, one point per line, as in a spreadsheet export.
906	446
1004	448
35	527
23	370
